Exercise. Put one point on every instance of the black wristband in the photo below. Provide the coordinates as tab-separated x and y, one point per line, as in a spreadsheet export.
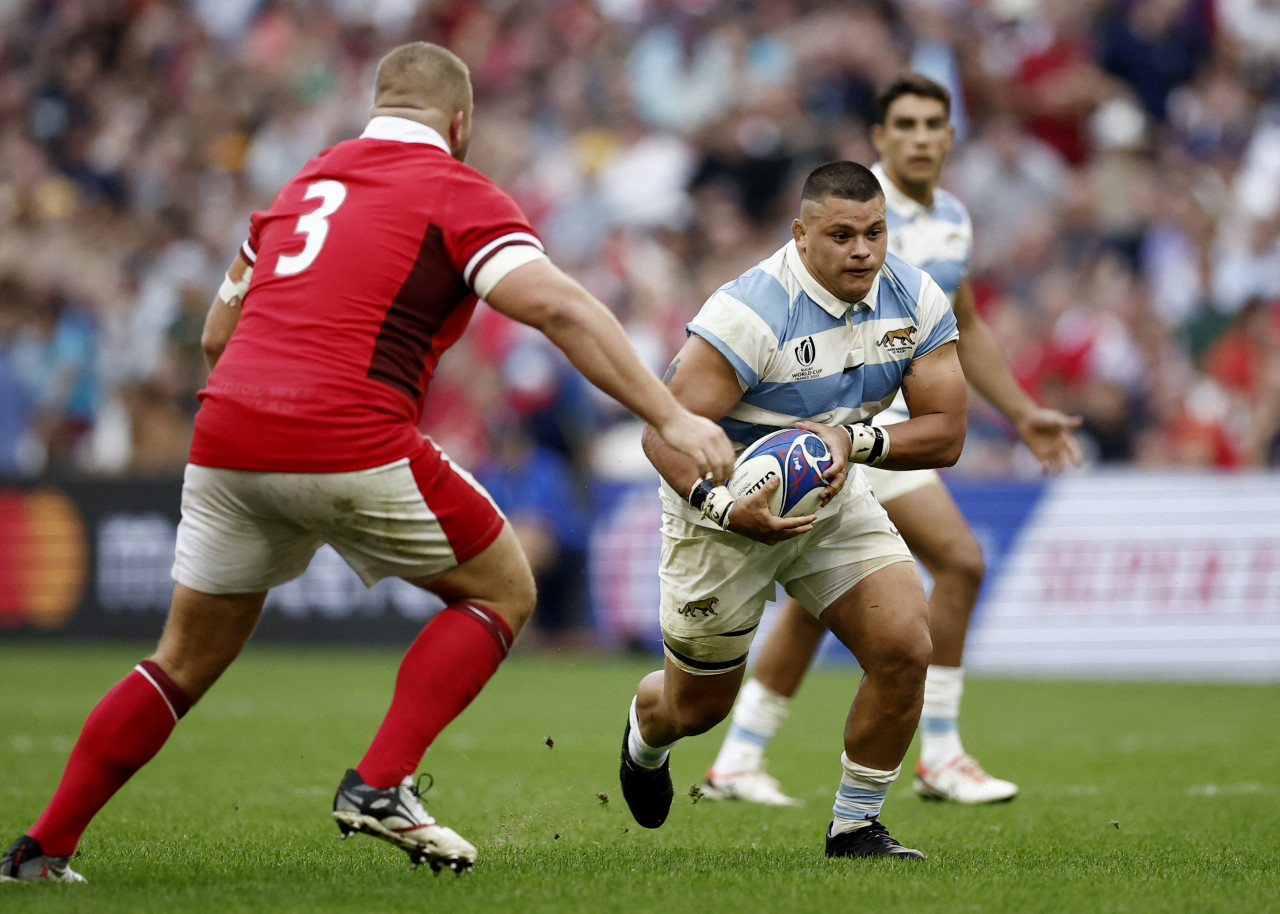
698	494
878	450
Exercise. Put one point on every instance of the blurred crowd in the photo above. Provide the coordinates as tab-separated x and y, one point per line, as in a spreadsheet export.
1120	158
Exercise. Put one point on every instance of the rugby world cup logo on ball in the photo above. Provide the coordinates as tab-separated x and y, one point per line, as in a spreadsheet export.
796	458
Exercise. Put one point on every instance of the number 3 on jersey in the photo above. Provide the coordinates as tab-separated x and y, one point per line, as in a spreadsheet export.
315	225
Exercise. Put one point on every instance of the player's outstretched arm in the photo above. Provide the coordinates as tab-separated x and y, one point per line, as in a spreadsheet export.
935	391
543	296
704	382
224	312
1046	432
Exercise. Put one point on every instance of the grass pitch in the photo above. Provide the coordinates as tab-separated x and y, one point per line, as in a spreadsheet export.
1135	797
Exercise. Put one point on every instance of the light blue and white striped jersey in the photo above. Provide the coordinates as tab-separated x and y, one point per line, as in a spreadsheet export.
801	353
938	239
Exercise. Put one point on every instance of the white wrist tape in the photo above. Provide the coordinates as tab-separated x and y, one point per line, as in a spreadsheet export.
869	444
232	291
714	502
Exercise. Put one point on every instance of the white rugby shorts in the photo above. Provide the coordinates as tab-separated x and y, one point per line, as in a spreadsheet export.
714	584
246	532
891	484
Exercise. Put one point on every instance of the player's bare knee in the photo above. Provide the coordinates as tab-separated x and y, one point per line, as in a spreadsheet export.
524	598
696	710
695	718
902	660
968	565
961	568
516	600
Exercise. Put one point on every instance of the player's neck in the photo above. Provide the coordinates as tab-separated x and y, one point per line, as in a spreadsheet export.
921	192
428	117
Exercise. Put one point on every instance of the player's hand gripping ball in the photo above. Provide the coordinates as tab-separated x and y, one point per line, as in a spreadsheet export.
797	458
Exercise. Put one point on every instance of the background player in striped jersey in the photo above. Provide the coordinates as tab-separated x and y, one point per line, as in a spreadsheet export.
930	228
823	333
322	343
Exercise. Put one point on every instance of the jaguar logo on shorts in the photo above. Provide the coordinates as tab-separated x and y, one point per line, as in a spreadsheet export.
700	606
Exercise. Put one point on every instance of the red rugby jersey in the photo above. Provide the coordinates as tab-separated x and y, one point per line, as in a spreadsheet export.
363	275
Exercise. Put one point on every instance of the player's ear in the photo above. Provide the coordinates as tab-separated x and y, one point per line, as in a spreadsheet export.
459	134
877	138
797	230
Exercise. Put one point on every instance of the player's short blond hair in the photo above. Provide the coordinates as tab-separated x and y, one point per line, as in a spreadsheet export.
423	76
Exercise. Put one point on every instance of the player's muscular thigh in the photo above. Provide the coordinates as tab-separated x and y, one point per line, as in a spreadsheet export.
499	578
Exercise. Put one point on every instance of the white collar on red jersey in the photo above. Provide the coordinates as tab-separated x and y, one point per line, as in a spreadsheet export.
401	129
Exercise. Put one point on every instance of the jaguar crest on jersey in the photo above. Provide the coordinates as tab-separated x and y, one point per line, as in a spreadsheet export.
900	339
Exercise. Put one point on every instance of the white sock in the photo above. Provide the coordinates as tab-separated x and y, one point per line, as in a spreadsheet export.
757	716
642	753
939	731
861	795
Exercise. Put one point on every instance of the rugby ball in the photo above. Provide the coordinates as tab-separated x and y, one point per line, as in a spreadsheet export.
797	458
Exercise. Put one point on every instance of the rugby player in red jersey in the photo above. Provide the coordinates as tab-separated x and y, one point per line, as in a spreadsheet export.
364	270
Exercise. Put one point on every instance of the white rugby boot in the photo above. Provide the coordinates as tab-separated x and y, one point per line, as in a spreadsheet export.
754	786
396	814
962	780
26	861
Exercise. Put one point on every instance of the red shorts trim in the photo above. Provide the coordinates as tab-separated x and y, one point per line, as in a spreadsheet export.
469	518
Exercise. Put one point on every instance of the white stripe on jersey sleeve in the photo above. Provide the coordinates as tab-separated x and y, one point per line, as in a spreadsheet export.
934	307
480	255
741	329
249	253
502	263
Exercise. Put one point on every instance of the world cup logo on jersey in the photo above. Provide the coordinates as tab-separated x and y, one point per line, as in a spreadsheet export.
806	351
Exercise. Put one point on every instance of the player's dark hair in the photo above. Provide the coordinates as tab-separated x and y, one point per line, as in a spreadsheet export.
910	84
847	180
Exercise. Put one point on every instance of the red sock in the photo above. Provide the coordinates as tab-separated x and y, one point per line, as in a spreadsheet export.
446	666
126	728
